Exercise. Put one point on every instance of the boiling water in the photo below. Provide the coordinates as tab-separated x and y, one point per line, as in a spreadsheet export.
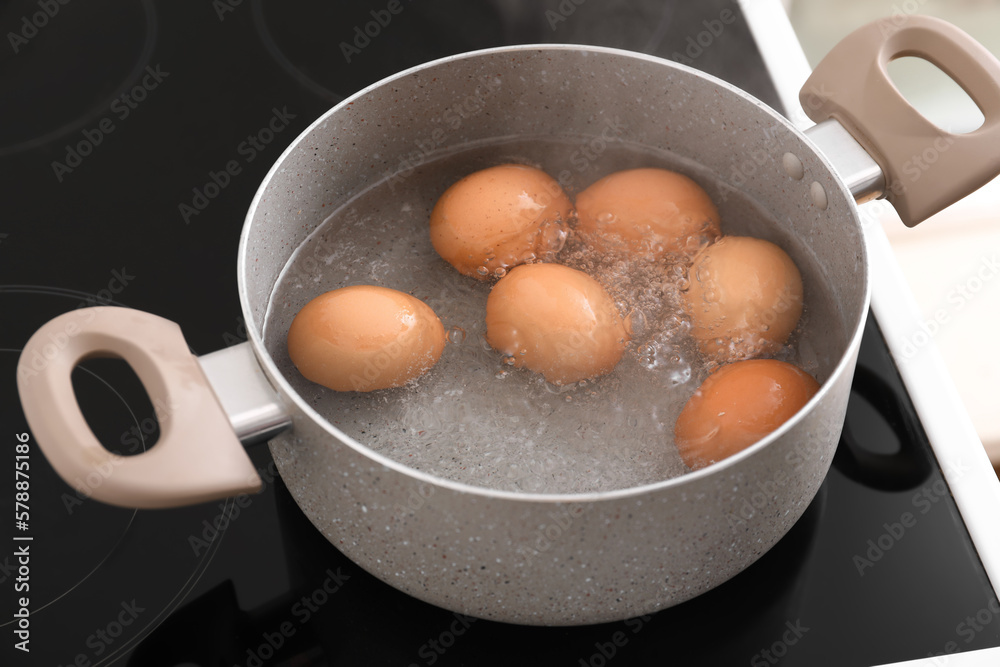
473	418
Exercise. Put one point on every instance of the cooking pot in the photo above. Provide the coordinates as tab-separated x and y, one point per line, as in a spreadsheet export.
543	555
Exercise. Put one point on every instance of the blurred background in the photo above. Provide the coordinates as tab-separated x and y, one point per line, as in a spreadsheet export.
950	260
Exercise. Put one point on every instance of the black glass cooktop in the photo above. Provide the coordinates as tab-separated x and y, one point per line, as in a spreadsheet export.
117	122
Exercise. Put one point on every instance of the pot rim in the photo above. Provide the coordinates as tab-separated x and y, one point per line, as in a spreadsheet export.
844	365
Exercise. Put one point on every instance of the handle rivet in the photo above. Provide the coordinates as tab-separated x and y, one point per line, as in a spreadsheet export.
793	166
818	194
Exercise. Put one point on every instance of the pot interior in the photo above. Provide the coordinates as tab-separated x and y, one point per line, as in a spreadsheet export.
349	204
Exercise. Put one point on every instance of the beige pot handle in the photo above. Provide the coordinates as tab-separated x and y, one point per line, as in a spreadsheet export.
197	457
926	169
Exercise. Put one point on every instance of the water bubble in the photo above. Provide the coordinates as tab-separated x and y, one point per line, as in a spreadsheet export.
508	360
456	335
500	272
569	399
483	271
606	218
556	237
680	376
637	322
647	355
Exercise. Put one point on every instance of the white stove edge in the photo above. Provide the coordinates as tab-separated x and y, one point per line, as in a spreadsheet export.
964	462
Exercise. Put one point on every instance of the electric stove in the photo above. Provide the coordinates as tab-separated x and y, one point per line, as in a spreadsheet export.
118	123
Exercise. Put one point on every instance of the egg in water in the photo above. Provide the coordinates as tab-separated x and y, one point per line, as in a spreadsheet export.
364	337
744	298
736	406
497	218
556	321
648	211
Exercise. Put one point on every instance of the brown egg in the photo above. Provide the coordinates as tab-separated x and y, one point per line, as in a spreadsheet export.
498	218
364	337
738	405
647	211
556	321
744	298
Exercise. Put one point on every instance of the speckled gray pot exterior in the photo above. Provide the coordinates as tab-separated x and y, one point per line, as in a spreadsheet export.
548	559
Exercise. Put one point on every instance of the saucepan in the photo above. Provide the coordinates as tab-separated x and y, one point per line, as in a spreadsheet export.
483	489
